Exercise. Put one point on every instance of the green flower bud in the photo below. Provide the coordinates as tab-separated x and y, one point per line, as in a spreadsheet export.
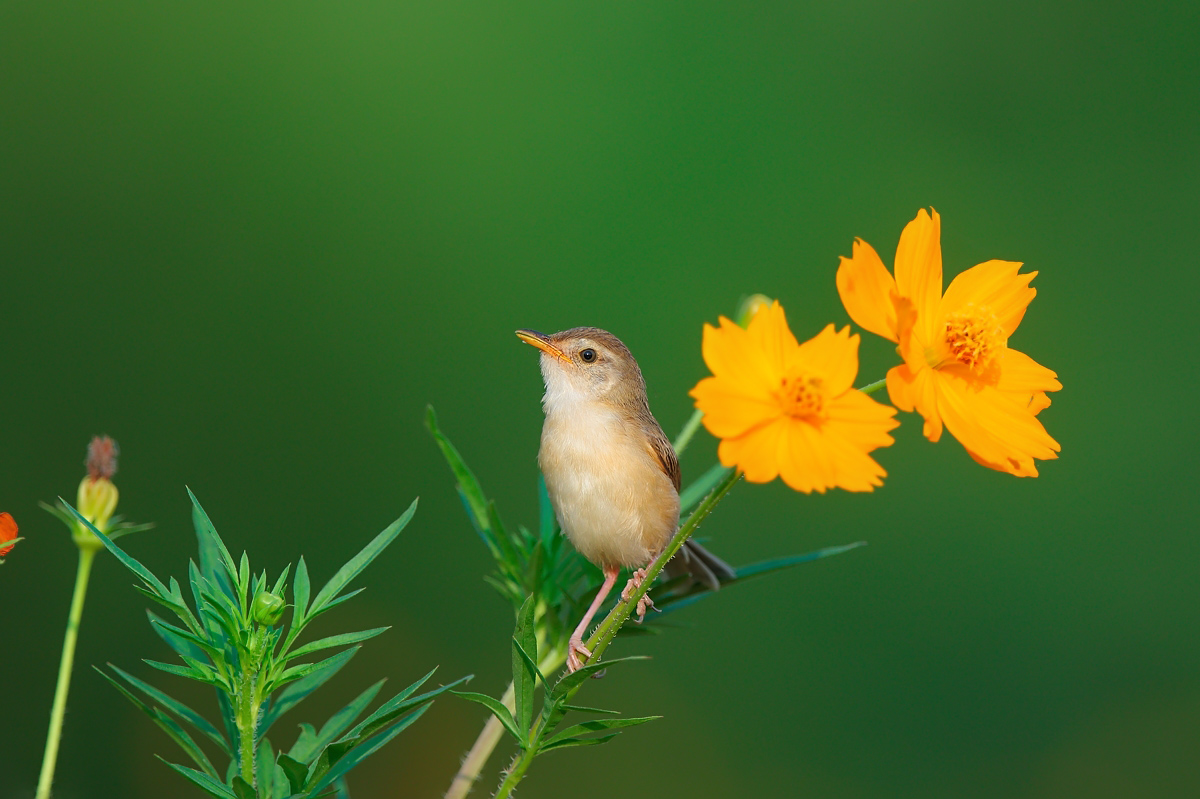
750	306
268	608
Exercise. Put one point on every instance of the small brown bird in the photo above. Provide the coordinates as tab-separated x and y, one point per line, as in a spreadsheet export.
612	475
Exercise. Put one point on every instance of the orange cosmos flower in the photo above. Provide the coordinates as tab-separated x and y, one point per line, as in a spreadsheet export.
8	532
958	369
787	409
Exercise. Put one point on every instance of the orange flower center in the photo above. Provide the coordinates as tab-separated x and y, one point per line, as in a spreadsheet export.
974	337
801	395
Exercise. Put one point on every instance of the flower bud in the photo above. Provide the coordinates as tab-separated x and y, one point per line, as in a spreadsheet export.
97	502
268	608
750	306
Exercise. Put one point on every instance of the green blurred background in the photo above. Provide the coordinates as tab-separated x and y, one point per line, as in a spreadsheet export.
253	243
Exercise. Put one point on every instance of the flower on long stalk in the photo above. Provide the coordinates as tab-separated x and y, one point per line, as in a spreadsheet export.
785	409
958	369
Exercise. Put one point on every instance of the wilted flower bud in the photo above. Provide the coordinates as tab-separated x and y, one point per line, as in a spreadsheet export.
268	608
749	307
97	499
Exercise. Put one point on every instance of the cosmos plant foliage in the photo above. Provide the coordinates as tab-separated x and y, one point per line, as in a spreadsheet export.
227	634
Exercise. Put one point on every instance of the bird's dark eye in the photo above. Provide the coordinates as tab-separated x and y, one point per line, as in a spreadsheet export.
588	355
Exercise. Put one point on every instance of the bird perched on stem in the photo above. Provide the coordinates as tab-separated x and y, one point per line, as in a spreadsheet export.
612	475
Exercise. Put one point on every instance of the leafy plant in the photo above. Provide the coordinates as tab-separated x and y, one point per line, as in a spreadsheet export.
230	638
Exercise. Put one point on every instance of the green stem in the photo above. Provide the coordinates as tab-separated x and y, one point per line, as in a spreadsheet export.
247	722
607	630
492	732
54	736
871	388
689	430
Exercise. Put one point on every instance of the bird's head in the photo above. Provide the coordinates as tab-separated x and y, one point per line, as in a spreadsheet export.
587	364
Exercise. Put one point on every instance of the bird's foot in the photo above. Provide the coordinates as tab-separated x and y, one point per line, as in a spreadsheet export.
575	648
645	603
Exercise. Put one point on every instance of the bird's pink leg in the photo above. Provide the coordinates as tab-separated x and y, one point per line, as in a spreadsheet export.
576	648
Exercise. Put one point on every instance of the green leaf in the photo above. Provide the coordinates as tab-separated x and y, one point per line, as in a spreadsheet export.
264	768
697	490
296	772
305	669
181	645
574	679
175	706
579	709
143	574
364	750
469	488
569	742
296	692
523	666
360	561
397	706
595	725
206	783
216	564
243	789
307	750
502	714
179	671
167	725
300	589
334	640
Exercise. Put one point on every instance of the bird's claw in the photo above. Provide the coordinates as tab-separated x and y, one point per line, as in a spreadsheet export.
644	603
574	649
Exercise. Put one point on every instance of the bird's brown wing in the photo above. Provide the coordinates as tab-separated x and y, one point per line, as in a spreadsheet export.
662	450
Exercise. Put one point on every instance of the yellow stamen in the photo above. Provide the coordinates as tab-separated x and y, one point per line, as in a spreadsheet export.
974	337
801	395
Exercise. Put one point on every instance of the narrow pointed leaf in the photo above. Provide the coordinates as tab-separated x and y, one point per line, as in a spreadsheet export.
296	692
576	678
300	589
523	668
601	711
206	783
216	564
360	561
547	523
596	725
179	671
334	640
569	742
306	669
502	714
472	493
243	789
167	725
337	724
174	706
365	750
181	646
395	707
143	574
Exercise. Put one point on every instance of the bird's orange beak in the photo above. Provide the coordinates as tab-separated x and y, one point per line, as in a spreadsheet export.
542	342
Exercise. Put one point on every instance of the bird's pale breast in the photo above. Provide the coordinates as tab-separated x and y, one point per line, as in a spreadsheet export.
611	496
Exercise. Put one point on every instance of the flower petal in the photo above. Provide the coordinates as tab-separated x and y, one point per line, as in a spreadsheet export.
994	426
916	390
1021	374
995	284
831	354
866	288
768	333
861	420
755	452
805	460
729	410
731	355
919	269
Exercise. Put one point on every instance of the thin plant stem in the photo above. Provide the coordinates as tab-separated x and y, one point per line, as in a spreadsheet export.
689	430
490	735
871	388
607	631
54	736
